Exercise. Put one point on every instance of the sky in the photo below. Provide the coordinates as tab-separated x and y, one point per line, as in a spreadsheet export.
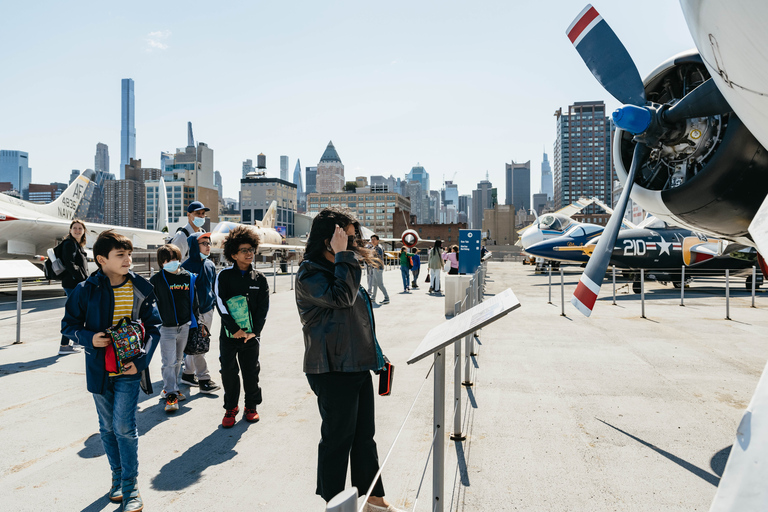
460	88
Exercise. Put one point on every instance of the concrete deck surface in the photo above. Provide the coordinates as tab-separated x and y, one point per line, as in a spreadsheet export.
608	413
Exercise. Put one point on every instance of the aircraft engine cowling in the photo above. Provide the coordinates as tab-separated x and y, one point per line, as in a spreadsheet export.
709	174
410	238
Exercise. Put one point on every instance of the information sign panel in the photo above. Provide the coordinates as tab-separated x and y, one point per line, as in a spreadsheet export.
473	319
469	250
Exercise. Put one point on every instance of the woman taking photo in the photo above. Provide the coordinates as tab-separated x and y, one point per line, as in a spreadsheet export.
340	350
75	269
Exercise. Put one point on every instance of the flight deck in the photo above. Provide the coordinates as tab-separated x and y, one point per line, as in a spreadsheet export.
566	413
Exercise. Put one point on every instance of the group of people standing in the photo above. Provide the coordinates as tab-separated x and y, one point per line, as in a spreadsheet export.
338	327
438	260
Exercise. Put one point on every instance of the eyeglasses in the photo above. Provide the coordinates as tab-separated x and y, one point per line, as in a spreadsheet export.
205	244
247	250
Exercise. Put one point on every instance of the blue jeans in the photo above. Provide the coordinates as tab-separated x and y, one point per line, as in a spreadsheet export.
117	423
406	277
64	339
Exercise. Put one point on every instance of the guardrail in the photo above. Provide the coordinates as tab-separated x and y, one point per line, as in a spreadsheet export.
346	501
687	276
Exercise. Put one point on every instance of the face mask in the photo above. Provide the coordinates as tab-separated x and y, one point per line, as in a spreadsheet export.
199	221
171	266
203	256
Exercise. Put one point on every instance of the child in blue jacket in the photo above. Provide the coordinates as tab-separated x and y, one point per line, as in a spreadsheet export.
195	366
100	302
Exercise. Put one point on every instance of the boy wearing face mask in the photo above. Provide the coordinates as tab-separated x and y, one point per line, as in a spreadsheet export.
178	309
196	220
195	366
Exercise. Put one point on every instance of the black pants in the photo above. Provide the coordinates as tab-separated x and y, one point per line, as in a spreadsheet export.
233	351
345	400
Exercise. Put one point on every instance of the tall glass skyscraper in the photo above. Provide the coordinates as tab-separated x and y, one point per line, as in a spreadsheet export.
518	184
422	176
547	184
14	168
127	125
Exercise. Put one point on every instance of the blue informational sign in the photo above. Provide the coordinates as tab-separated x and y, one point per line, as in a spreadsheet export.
469	250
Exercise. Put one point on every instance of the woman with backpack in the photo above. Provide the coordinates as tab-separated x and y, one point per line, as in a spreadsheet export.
435	265
75	270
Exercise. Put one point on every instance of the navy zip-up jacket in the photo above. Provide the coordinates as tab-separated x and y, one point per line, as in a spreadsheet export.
89	311
206	274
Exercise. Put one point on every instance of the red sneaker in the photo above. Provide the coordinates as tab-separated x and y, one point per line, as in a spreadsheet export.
229	417
251	416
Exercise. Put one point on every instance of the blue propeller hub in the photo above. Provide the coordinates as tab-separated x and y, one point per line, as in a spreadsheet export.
632	118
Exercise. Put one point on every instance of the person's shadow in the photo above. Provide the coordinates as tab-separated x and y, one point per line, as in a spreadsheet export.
187	469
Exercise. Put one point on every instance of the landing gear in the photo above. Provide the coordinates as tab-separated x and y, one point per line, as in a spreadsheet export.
677	284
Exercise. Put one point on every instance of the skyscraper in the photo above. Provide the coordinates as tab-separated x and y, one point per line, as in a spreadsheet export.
101	160
583	165
518	183
547	185
330	171
218	183
418	173
483	198
311	180
248	167
297	180
127	125
14	168
284	168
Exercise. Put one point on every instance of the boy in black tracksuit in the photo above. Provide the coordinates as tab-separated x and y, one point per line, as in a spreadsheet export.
242	299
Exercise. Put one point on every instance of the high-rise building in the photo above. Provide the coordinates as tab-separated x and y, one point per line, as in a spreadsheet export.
374	210
583	164
484	197
330	171
284	168
539	202
547	183
518	183
73	175
14	169
382	184
311	181
101	160
465	209
93	206
219	185
125	201
248	167
415	194
194	166
127	125
419	174
257	192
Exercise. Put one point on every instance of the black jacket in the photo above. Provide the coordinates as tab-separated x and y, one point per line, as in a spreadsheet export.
75	263
253	286
173	298
338	336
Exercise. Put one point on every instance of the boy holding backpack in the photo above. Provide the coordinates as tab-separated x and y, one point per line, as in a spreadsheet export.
178	307
106	297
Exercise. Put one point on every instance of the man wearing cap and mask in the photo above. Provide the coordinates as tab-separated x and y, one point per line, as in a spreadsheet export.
196	219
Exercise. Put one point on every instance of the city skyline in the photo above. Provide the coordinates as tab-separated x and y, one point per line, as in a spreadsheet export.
387	103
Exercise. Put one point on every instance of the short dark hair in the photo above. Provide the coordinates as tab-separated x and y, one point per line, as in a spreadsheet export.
375	236
237	237
166	253
107	242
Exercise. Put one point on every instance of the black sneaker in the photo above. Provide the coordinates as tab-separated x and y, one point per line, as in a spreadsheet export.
208	386
385	301
189	379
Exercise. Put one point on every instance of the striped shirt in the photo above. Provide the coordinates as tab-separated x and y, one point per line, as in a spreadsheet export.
123	301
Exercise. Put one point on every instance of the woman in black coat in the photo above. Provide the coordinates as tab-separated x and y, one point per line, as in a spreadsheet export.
75	262
340	350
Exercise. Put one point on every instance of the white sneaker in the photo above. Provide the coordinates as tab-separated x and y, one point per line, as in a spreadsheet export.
67	349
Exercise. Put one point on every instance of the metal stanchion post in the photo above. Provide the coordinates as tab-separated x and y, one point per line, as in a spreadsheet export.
727	294
468	349
562	293
457	435
642	292
291	273
18	313
613	272
550	283
274	274
438	453
682	286
754	278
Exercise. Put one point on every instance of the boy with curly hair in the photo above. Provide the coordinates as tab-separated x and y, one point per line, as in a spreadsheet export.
242	299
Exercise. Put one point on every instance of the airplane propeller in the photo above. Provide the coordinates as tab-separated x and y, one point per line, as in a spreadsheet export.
610	63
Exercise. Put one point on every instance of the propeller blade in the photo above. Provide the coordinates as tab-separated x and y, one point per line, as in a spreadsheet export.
704	101
586	292
606	57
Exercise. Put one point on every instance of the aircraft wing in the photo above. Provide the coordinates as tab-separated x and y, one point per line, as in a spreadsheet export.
275	247
140	238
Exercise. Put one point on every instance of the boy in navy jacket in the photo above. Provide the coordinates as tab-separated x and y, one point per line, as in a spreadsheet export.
108	295
195	366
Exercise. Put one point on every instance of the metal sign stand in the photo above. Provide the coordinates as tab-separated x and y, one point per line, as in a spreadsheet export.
18	269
